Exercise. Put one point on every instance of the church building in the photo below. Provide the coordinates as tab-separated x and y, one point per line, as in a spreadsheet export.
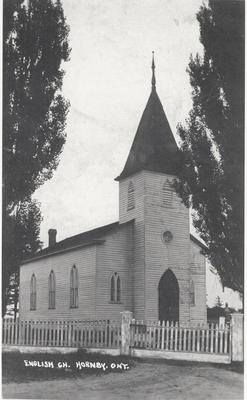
147	262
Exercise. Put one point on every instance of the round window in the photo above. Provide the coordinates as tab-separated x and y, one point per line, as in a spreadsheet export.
167	237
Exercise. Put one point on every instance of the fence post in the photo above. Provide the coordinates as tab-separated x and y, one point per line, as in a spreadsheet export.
237	336
222	322
125	332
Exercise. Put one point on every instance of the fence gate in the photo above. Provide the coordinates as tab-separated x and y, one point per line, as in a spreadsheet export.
195	343
212	342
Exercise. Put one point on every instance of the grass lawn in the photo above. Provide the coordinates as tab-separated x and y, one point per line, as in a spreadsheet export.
124	378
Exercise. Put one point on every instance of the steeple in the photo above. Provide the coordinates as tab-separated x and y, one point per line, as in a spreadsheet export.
153	73
154	147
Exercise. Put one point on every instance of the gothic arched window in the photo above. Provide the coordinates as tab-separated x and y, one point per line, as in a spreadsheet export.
115	291
74	287
112	288
131	196
52	290
33	293
166	195
118	289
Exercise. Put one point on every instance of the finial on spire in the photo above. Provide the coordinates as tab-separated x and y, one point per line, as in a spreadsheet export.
153	72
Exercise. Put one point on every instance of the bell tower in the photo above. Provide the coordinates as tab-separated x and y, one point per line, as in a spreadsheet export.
161	222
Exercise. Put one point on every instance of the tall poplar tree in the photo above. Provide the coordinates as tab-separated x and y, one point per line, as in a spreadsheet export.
35	44
212	139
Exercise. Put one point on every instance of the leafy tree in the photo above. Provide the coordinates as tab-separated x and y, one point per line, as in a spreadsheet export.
35	44
34	111
22	230
212	140
218	302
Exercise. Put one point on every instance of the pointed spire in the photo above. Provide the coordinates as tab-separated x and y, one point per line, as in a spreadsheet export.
154	147
153	73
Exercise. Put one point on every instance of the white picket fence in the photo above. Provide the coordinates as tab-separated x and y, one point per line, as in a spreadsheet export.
166	336
211	343
102	333
210	338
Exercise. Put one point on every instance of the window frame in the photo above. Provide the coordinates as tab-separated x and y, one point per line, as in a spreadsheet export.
74	283
112	289
118	289
115	288
52	291
33	293
131	196
167	195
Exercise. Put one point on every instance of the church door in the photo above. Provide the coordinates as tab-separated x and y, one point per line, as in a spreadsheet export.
168	297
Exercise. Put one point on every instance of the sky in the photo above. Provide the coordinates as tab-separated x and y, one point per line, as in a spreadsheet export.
108	82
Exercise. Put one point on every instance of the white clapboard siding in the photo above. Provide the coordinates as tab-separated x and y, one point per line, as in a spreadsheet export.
198	312
61	264
115	255
176	255
152	257
138	241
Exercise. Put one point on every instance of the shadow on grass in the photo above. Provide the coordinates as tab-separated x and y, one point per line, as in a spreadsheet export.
234	366
19	367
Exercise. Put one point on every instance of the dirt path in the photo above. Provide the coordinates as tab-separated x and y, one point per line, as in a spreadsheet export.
146	381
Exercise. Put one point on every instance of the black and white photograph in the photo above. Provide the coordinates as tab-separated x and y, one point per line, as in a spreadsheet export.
123	199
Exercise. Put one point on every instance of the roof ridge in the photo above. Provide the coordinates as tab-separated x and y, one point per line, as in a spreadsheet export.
89	231
92	236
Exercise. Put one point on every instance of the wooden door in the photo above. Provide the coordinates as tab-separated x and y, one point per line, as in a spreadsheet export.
168	297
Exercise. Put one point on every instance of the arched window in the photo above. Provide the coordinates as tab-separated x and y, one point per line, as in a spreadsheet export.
112	288
166	195
33	293
131	196
74	287
52	290
115	288
118	289
192	293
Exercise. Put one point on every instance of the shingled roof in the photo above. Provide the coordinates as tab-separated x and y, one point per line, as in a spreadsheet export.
154	147
94	236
